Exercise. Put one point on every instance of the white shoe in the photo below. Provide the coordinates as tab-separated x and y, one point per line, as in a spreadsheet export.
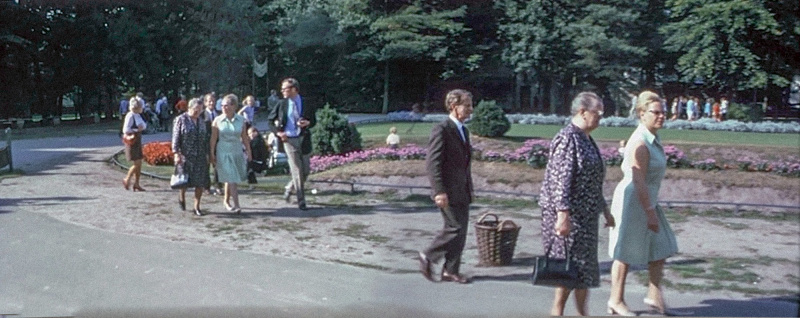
624	311
664	311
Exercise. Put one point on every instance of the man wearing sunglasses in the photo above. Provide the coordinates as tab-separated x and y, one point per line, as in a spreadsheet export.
291	121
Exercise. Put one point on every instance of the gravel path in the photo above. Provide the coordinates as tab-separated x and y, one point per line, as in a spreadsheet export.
75	184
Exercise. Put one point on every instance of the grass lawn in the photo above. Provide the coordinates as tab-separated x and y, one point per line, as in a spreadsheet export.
418	133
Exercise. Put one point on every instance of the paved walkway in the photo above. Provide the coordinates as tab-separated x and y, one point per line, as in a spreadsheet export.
53	268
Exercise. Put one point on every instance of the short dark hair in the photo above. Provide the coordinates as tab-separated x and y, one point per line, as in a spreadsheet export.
292	81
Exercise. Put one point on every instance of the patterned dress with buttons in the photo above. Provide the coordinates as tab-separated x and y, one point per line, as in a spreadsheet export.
573	181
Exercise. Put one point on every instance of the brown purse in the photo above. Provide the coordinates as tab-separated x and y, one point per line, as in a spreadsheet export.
130	139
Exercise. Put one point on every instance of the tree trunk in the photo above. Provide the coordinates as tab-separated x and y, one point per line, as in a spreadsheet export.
39	91
517	92
385	88
608	102
534	88
555	94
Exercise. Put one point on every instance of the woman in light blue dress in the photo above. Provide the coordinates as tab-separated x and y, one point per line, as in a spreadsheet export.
642	235
228	138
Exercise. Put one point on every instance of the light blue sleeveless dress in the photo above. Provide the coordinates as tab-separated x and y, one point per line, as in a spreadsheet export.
630	241
231	162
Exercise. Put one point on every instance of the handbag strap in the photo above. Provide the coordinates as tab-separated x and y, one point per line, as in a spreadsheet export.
550	247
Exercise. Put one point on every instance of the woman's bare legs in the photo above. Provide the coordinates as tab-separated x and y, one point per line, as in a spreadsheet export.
581	296
560	298
198	193
234	189
655	269
616	299
135	171
227	196
231	195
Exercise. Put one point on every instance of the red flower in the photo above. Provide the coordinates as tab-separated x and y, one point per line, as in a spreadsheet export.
158	153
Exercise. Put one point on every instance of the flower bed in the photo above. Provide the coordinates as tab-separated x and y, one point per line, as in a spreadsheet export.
535	152
700	124
158	153
409	152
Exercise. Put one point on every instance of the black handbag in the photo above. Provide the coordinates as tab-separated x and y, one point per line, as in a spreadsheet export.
555	272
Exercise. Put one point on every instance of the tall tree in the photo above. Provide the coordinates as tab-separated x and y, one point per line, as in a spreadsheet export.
401	33
538	46
605	46
717	41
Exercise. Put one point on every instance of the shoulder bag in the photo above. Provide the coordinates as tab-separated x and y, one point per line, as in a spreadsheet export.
130	139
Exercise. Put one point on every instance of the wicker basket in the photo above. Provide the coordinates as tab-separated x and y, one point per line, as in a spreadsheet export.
496	240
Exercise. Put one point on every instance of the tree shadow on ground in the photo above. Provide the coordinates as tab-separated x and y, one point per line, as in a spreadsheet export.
6	205
528	262
318	211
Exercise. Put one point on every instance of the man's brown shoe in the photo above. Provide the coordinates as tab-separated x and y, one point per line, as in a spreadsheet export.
425	267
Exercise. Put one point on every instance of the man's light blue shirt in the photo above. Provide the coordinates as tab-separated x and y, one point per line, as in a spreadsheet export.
293	112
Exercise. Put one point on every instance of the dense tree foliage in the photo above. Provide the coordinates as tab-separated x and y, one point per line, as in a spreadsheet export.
379	56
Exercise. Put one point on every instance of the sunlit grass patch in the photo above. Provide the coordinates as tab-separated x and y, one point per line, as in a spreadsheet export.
718	273
355	230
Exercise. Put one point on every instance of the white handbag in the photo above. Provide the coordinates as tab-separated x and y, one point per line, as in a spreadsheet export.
179	179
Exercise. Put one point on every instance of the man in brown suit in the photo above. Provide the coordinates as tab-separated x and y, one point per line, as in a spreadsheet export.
448	166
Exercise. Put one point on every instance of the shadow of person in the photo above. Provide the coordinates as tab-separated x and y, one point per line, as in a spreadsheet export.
758	307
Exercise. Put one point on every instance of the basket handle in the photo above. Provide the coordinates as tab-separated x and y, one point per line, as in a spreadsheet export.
502	225
483	216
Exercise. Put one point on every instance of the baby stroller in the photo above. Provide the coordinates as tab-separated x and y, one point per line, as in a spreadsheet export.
276	161
153	123
258	165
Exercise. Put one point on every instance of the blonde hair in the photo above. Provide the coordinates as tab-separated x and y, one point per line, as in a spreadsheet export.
134	102
645	99
231	99
393	130
456	97
249	100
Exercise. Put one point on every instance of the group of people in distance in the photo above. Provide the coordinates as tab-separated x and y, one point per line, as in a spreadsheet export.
690	108
571	199
203	138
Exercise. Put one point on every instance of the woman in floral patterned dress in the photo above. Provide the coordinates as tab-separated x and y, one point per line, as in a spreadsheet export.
190	145
572	199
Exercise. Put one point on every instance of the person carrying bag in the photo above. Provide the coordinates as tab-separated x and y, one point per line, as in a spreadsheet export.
554	272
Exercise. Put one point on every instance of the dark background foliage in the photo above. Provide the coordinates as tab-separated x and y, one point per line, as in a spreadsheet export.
82	57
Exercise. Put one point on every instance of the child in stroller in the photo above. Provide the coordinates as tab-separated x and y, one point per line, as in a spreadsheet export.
267	155
153	122
277	156
260	153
